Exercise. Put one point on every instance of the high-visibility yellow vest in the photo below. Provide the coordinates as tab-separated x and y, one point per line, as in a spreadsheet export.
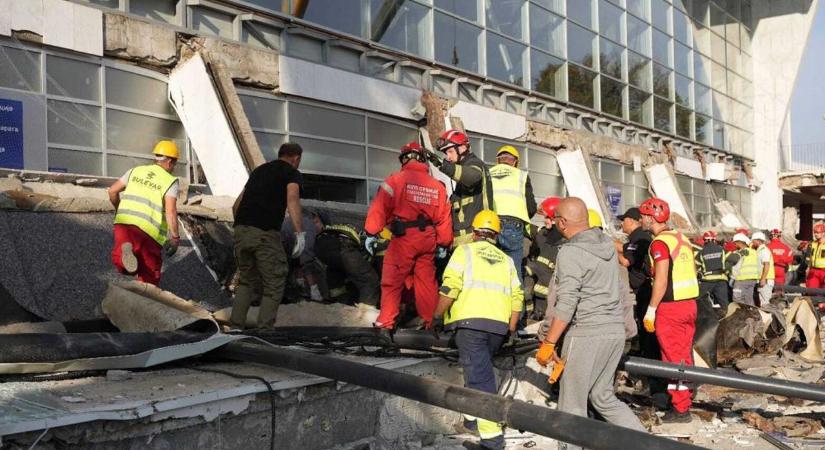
485	287
510	191
683	265
748	266
141	203
817	255
771	270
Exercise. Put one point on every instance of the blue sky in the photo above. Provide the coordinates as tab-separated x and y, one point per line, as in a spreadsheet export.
808	103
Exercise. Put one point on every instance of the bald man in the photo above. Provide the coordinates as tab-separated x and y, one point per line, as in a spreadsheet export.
589	293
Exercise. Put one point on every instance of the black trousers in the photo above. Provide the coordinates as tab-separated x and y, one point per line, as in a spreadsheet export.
718	290
346	262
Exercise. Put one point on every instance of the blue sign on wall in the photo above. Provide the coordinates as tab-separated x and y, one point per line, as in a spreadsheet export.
614	199
11	134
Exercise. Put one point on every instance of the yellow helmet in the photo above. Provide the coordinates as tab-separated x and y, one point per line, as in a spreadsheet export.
167	148
385	234
509	149
487	220
593	218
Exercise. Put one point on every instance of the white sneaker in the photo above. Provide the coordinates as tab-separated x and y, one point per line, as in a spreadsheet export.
128	259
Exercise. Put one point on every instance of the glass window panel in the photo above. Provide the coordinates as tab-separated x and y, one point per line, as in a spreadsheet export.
719	105
504	16
734	61
703	99
581	11
701	69
717	20
341	15
660	15
747	19
717	48
681	26
137	91
456	42
382	162
610	22
580	85
402	25
260	35
491	148
323	156
269	143
580	43
264	112
701	40
505	59
19	69
212	22
388	134
107	3
661	80
732	33
333	189
682	85
639	104
638	69
117	165
610	59
542	162
642	194
546	185
638	36
72	161
73	124
682	60
685	184
683	120
718	76
661	114
719	135
547	31
135	133
318	121
272	5
611	172
557	6
547	76
745	39
160	10
464	8
611	93
699	11
71	78
661	48
640	8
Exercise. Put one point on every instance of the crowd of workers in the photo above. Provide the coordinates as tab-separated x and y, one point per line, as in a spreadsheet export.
472	265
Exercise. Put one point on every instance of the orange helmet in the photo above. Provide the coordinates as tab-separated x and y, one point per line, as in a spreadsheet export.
549	205
656	208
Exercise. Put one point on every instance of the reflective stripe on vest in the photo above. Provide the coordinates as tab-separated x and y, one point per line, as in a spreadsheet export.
345	230
510	191
818	255
683	272
712	262
771	269
142	203
748	266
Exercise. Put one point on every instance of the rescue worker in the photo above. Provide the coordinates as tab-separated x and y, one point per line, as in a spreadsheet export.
816	259
338	246
514	203
588	294
481	300
672	310
413	205
473	190
272	189
767	275
146	221
782	256
743	267
303	268
541	259
713	278
377	248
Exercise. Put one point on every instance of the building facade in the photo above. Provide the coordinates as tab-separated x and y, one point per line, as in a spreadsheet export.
682	77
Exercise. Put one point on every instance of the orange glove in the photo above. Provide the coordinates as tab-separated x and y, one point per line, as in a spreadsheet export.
545	353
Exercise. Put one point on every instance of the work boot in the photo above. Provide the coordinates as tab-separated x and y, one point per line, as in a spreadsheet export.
128	259
496	443
673	416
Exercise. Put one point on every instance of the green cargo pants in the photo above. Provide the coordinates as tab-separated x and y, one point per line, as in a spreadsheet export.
262	266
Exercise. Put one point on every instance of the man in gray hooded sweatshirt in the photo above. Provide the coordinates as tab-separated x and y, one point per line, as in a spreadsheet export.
589	299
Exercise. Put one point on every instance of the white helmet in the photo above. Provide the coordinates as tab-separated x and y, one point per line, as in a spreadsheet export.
758	235
741	237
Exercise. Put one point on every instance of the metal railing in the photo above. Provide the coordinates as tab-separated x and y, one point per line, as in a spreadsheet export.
803	158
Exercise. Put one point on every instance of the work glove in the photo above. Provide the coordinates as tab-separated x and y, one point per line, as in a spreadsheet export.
437	325
545	353
512	338
171	246
300	244
650	319
440	252
433	158
369	244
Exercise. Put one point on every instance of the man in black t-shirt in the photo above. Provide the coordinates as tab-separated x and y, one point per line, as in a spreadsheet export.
272	188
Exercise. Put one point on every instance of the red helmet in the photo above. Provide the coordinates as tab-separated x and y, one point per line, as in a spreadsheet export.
412	147
709	235
776	232
744	231
450	139
819	228
549	205
656	208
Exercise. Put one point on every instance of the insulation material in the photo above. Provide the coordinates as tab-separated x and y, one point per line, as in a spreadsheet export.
199	107
664	184
5	19
32	201
489	121
435	111
237	118
312	314
26	15
135	306
580	180
60	23
802	314
689	167
716	171
730	216
306	79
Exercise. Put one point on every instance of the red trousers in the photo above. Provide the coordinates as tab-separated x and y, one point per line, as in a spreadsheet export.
780	275
411	254
146	250
816	278
675	327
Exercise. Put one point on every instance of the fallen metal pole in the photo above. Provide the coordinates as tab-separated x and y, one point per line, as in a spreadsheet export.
785	388
800	290
514	413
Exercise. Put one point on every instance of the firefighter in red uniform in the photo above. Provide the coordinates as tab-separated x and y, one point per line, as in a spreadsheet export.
782	256
413	206
672	310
